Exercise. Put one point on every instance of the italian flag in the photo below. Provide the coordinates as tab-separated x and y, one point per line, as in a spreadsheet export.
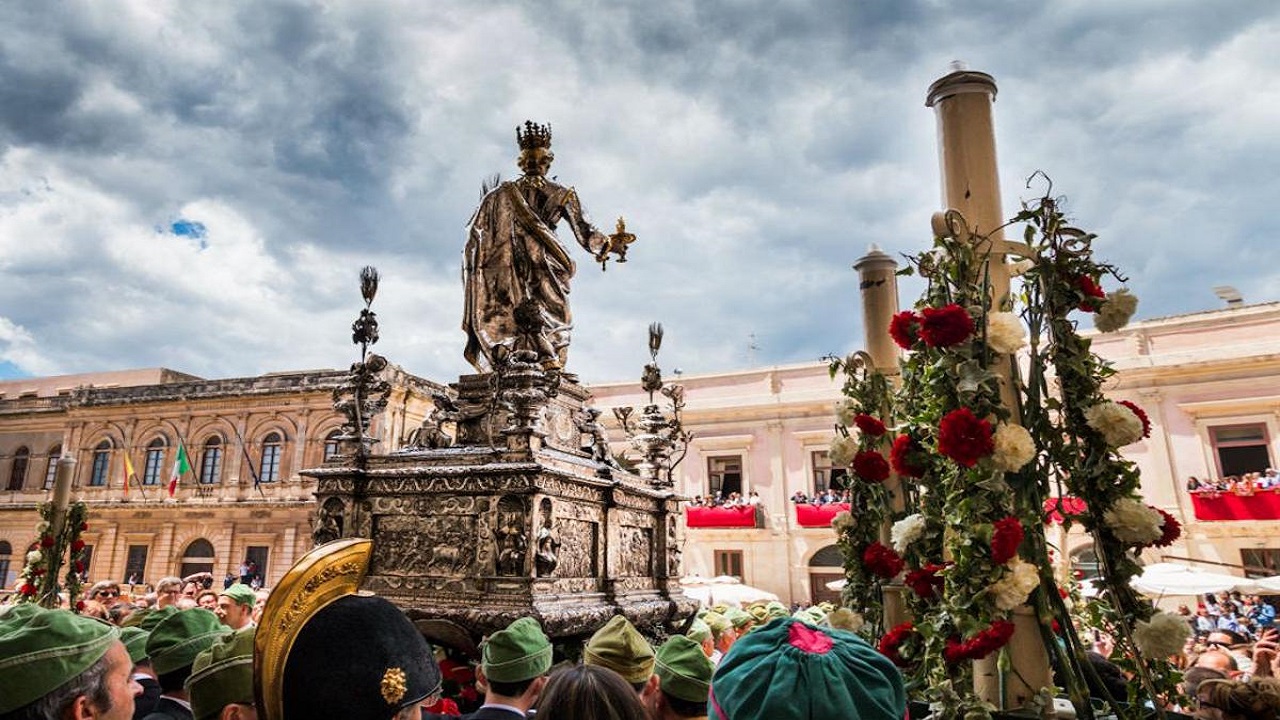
180	467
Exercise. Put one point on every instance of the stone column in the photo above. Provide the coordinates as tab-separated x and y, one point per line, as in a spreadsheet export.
971	184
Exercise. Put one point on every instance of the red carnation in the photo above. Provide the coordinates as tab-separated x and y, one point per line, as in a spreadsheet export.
77	546
1171	529
868	425
946	326
1142	415
904	328
27	589
79	566
882	560
1091	291
892	642
79	606
965	438
980	645
46	541
926	582
84	526
1062	593
871	466
904	456
1005	539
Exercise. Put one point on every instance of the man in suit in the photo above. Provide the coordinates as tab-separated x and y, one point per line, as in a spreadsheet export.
513	670
173	646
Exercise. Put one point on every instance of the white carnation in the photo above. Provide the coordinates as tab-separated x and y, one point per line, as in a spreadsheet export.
845	412
1004	332
1162	636
1012	589
843	449
842	521
1013	447
1118	424
906	531
845	619
34	557
1116	311
1134	522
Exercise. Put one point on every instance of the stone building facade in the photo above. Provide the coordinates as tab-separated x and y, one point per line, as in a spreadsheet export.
243	501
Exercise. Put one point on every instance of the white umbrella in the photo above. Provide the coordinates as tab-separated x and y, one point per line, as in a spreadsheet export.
837	584
723	589
1173	579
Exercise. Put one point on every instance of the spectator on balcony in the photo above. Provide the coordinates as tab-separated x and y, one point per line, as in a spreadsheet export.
753	499
799	497
1203	624
1261	612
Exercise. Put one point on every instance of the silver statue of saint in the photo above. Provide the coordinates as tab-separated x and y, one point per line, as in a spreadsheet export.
515	268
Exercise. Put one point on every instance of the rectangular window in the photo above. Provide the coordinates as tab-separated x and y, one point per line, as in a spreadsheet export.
1240	449
729	562
101	463
51	472
88	560
135	564
1260	562
270	463
256	555
724	475
151	471
211	465
826	477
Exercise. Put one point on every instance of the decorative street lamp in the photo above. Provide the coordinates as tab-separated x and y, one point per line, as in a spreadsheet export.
660	436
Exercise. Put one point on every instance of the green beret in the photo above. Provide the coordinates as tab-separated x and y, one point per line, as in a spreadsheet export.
620	647
178	638
788	670
739	618
718	624
759	612
518	653
699	631
776	609
148	618
719	608
811	615
240	593
135	641
683	670
42	650
222	675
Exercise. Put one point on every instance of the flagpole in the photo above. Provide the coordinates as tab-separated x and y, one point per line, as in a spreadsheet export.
244	450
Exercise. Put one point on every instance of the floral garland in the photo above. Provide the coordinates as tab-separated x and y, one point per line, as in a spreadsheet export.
45	558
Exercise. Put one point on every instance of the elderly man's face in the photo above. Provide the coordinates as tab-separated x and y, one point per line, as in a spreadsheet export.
120	685
108	596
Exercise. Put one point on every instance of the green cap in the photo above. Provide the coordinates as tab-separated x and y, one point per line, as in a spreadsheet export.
683	670
621	648
42	650
811	615
518	653
789	670
242	594
776	609
759	613
222	675
178	638
739	618
148	618
135	641
699	631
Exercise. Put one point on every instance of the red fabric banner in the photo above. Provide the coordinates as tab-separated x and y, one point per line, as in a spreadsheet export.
1262	505
818	515
743	516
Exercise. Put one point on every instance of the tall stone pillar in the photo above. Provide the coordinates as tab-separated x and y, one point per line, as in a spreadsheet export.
971	184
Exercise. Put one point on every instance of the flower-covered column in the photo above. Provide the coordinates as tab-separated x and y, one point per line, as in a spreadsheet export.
971	186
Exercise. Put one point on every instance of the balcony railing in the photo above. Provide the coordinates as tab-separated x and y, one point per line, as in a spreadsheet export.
809	516
741	516
1218	505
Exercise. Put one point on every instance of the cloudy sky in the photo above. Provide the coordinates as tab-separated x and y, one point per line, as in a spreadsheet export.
196	185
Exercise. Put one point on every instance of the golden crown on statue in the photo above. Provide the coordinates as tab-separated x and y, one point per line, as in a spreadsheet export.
534	135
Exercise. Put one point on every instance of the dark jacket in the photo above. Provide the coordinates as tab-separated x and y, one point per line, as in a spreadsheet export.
167	709
145	704
493	714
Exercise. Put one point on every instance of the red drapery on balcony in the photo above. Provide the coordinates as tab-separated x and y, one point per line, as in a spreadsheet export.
817	515
743	516
1262	505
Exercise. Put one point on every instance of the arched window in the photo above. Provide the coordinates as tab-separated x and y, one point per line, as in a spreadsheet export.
51	470
7	575
18	471
155	459
211	461
331	444
197	558
270	467
101	464
825	567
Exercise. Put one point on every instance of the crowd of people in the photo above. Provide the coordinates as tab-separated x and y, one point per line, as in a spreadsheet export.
826	497
1245	484
188	651
733	499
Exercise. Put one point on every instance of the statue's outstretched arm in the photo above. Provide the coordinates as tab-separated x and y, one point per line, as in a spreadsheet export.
591	239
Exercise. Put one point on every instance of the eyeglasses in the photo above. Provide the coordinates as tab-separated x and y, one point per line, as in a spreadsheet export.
108	593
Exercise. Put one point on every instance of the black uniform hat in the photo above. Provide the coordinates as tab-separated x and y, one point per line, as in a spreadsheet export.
325	652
